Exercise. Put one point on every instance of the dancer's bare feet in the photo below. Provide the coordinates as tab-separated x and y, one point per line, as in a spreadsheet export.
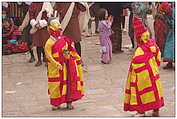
139	114
155	113
55	108
70	106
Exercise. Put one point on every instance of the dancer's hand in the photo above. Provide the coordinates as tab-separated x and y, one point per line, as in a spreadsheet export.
59	66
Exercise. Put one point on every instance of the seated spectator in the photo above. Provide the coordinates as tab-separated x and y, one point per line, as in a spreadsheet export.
9	31
10	36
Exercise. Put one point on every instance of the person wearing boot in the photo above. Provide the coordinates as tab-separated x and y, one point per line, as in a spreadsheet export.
39	12
25	28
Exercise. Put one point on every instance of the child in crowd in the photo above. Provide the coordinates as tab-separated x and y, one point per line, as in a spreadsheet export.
104	28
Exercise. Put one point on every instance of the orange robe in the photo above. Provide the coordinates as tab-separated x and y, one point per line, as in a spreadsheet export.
67	84
143	90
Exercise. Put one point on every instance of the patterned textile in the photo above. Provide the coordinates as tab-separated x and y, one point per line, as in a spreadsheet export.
143	90
64	85
10	48
9	31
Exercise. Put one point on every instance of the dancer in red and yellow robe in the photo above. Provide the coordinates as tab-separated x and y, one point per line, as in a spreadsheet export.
143	91
65	76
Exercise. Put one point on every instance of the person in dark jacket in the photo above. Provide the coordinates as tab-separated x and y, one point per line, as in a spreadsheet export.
25	28
115	9
94	13
72	30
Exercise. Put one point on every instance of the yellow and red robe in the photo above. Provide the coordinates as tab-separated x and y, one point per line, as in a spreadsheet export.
64	85
143	90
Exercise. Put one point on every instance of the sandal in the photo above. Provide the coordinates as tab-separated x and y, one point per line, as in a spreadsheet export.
55	108
155	113
139	115
70	106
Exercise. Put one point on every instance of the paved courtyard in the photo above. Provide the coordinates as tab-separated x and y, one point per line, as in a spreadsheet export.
24	87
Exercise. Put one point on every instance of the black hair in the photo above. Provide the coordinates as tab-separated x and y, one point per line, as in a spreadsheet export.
7	19
102	14
50	19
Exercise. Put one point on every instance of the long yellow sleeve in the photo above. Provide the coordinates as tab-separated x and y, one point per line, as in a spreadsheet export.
48	51
73	53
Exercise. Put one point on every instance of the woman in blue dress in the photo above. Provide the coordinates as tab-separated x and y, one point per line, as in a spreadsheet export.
169	49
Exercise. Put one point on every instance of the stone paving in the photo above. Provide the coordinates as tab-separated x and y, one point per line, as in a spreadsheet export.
24	87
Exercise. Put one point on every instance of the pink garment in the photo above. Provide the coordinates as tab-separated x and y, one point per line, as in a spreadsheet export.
104	28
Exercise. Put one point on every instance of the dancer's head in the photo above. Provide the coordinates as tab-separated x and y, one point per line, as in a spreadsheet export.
54	24
54	27
141	33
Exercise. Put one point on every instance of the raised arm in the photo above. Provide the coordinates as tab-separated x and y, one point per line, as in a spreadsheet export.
81	7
